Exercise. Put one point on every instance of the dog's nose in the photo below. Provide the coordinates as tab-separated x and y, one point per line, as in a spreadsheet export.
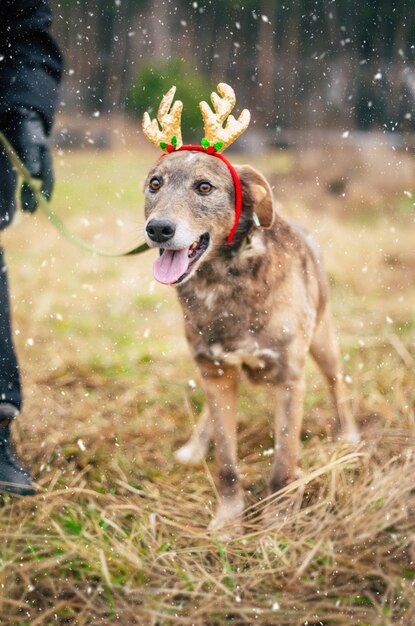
160	230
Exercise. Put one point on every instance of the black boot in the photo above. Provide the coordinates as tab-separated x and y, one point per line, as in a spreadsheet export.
14	478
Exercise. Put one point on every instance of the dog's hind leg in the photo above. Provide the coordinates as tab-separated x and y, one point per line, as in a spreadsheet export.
195	450
325	351
288	419
221	388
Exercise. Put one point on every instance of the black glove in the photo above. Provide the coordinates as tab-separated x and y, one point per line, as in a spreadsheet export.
25	130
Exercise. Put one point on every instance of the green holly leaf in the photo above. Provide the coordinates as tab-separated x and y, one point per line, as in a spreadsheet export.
163	145
205	143
218	145
174	141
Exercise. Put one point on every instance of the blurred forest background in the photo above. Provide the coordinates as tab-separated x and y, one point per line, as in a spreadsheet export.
298	64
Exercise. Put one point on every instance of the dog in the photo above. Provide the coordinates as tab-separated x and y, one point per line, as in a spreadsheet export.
255	306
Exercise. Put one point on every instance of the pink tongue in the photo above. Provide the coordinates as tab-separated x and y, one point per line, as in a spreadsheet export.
172	264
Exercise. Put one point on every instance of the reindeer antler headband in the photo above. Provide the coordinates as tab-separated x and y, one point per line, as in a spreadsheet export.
217	135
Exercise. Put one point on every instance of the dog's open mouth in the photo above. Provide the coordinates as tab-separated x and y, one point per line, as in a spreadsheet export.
173	266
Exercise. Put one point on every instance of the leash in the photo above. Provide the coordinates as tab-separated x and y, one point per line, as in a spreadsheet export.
51	216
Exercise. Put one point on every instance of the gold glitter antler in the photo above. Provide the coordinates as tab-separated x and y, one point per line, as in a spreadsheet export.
170	133
215	133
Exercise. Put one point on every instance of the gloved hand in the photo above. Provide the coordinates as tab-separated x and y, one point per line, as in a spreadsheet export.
25	130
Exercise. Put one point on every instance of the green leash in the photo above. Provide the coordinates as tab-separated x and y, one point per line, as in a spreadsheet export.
51	215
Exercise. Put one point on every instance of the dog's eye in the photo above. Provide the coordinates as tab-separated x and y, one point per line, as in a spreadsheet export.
204	187
155	184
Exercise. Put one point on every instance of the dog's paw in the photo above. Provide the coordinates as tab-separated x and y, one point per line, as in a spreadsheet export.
281	476
351	436
228	518
277	514
192	453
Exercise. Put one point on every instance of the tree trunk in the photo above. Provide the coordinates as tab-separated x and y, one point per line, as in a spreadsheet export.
266	60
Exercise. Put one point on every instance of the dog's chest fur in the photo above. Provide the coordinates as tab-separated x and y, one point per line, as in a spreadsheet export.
239	311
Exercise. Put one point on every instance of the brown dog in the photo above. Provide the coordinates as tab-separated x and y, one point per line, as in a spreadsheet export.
257	305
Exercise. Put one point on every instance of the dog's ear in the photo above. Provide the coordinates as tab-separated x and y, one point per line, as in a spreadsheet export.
257	194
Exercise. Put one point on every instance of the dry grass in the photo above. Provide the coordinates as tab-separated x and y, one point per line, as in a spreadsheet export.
116	535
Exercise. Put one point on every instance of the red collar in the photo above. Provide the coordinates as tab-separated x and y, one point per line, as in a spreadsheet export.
235	178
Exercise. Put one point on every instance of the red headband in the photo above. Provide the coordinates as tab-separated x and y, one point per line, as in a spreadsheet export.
237	183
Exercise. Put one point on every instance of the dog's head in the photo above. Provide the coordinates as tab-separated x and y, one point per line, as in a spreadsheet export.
190	210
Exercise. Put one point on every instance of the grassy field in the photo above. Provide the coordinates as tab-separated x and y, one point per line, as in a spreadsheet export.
116	534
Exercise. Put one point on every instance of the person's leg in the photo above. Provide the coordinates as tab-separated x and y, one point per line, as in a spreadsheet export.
7	189
10	391
14	478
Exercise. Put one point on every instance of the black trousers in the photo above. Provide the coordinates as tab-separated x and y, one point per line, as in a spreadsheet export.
10	390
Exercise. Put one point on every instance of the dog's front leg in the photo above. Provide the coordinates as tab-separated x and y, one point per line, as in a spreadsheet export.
221	388
288	420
